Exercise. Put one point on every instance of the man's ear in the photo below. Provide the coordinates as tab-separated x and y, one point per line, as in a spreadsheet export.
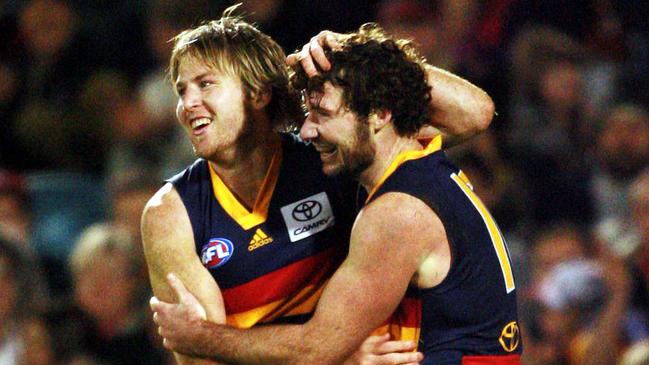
379	119
261	98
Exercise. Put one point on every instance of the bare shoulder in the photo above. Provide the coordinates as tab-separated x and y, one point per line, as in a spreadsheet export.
396	223
395	213
167	235
164	202
163	214
410	230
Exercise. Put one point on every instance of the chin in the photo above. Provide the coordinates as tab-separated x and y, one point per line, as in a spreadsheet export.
201	154
201	150
332	170
197	151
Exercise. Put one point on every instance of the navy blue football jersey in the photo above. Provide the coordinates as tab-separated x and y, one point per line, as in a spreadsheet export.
471	316
273	261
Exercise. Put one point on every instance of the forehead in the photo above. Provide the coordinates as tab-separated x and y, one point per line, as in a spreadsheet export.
328	97
190	66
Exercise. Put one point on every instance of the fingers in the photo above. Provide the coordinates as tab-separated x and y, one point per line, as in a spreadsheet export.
178	287
157	305
159	309
324	40
162	331
307	62
154	303
403	358
379	345
317	52
373	342
379	350
313	53
185	297
293	59
395	346
167	344
332	40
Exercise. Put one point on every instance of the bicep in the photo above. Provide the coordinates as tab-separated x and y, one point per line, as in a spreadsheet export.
369	285
168	242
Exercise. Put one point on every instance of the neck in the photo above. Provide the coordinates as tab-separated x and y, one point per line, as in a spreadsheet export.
388	146
244	168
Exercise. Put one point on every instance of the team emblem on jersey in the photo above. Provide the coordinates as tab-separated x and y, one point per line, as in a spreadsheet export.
308	216
216	252
510	337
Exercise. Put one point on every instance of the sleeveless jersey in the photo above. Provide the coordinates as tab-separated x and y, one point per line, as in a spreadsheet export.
471	316
272	263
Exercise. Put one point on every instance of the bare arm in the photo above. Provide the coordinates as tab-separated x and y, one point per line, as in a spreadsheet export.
372	280
460	109
168	242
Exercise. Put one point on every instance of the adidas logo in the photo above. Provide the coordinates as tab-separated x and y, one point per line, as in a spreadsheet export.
259	239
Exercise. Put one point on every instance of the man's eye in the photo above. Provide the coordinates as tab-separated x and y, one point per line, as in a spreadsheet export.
180	91
206	83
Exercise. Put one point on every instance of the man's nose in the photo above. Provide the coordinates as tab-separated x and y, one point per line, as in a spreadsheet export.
191	99
309	129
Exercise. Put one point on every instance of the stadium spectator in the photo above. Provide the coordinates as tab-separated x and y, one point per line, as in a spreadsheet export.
108	290
549	131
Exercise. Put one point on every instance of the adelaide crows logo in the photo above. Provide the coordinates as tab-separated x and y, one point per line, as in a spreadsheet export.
510	337
216	252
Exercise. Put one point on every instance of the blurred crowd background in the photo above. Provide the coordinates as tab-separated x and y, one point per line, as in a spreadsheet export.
88	134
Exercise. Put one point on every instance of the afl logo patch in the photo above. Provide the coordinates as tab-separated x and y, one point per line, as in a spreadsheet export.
306	210
216	252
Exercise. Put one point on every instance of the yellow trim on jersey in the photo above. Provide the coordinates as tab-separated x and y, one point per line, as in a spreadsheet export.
496	237
308	305
238	211
399	333
302	303
465	179
433	146
249	318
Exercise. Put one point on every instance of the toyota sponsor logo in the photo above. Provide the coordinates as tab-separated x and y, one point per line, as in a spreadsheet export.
308	216
306	210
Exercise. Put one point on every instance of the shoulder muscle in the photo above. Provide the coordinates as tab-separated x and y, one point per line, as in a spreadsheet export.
410	231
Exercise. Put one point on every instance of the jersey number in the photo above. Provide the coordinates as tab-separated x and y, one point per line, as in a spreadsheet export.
496	237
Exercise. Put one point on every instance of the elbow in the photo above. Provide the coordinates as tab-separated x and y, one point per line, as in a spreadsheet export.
485	114
475	119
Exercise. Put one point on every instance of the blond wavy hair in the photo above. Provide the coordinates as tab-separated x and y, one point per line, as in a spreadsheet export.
235	47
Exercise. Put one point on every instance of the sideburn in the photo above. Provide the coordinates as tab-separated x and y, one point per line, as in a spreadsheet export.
362	152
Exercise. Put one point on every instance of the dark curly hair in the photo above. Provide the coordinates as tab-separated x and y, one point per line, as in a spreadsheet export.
377	72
